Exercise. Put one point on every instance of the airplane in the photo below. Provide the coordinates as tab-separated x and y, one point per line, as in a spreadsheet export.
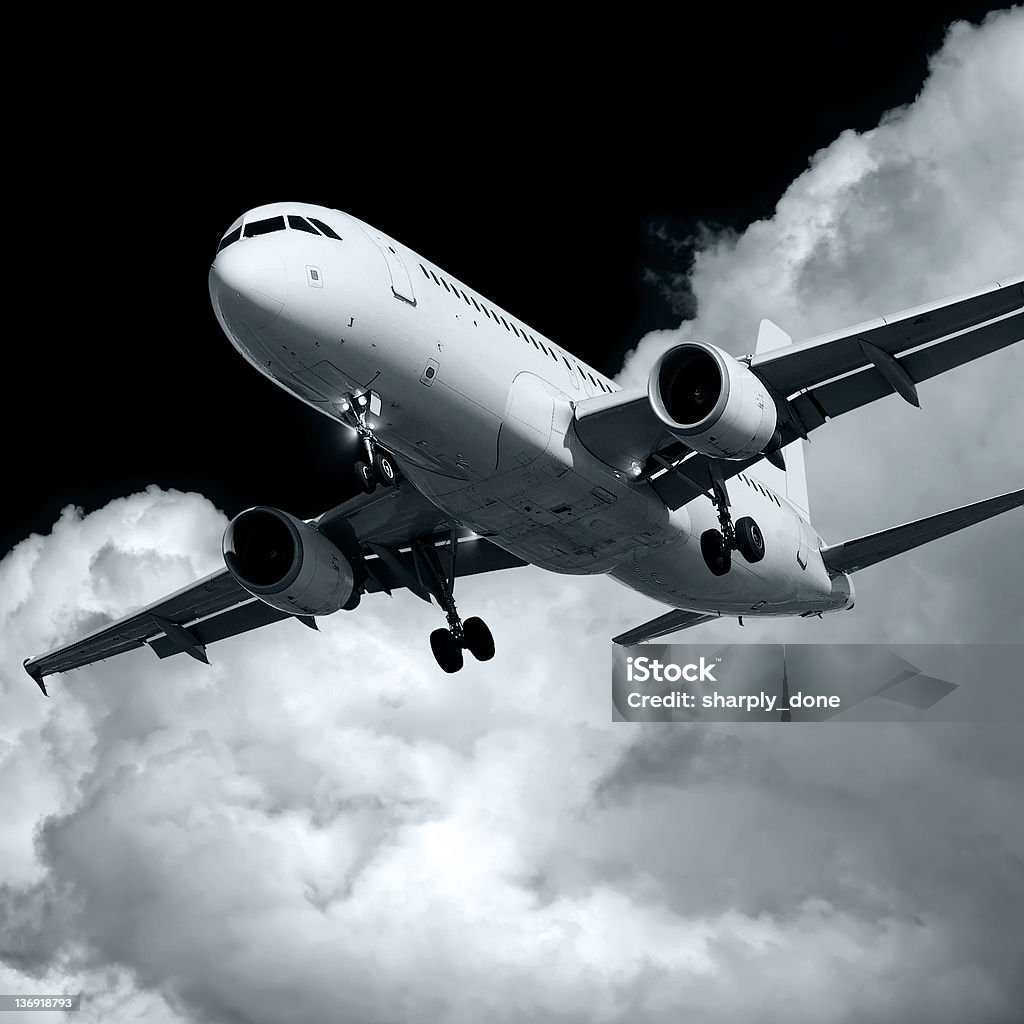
484	445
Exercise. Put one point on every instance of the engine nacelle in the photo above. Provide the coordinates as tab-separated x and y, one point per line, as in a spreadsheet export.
287	564
712	402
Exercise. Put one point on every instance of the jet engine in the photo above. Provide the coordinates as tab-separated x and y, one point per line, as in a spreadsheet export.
712	402
287	564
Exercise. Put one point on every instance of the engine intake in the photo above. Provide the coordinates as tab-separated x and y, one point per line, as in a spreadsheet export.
287	563
712	402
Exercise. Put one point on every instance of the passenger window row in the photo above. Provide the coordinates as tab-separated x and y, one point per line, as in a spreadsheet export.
764	490
270	224
519	332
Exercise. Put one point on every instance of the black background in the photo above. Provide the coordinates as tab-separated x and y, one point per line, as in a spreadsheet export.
541	170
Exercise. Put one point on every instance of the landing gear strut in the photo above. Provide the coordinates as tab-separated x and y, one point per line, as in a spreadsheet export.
376	466
744	536
472	635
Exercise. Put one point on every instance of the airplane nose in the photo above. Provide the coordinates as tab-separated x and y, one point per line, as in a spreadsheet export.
248	282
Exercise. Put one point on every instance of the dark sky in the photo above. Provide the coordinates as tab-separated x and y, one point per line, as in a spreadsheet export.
554	178
322	825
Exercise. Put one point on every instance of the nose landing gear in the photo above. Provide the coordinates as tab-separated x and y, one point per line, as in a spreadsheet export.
376	467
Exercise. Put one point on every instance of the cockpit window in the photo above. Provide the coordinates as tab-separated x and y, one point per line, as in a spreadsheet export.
326	229
264	227
301	225
231	236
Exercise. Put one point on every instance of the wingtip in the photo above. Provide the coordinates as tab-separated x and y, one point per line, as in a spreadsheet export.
37	676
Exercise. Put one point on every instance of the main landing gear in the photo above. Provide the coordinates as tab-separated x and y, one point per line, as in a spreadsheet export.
375	467
472	635
744	535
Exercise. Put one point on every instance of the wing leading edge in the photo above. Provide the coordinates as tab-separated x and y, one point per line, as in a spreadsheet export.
812	381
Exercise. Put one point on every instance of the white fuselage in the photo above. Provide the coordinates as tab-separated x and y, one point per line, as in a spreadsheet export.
478	408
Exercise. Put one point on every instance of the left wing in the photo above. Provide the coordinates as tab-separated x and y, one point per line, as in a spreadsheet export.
390	536
812	382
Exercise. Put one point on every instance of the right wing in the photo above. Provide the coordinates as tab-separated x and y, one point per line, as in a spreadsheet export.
392	537
811	381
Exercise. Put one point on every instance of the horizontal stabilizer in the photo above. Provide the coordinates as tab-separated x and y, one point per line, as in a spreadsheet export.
852	555
670	622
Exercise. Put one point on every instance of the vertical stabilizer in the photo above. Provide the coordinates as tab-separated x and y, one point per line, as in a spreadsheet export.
794	482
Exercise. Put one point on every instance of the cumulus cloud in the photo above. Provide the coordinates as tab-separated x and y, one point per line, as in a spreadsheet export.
323	826
928	204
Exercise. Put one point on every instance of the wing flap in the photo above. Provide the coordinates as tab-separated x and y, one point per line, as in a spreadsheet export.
210	595
475	555
232	622
833	399
812	362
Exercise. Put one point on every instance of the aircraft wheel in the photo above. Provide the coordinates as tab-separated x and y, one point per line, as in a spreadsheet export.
384	468
446	650
749	539
478	639
716	554
365	476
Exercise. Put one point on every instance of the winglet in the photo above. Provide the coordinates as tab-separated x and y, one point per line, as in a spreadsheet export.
37	675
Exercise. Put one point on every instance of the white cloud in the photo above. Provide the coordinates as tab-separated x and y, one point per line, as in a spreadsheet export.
323	826
929	204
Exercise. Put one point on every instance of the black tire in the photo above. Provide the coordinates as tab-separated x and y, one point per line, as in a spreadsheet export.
717	556
385	469
479	641
446	650
365	477
749	539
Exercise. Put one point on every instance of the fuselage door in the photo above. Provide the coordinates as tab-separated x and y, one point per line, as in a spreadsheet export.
401	283
803	551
